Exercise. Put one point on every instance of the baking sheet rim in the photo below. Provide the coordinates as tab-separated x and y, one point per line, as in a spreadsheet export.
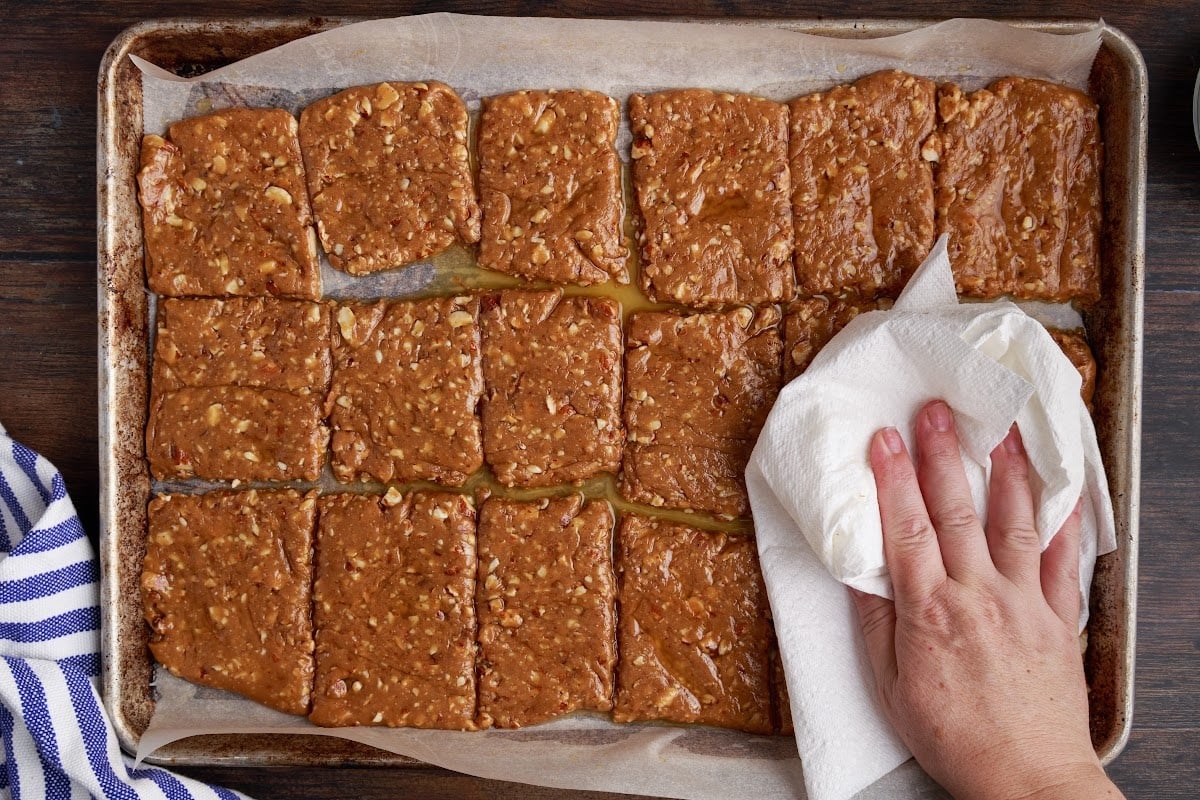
109	121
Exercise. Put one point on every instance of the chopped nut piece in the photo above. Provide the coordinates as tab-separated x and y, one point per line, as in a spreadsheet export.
385	95
535	558
262	342
390	180
273	427
345	318
698	390
212	213
862	194
713	190
810	324
214	414
1020	149
225	589
552	371
279	195
393	611
694	628
563	141
408	414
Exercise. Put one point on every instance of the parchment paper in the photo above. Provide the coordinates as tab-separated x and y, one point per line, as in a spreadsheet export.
481	56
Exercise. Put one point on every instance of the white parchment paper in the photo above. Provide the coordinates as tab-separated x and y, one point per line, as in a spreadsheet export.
481	56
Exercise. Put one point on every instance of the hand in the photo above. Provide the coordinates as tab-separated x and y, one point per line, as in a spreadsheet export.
977	660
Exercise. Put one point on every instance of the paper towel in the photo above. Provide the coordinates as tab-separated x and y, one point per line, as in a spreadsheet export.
814	502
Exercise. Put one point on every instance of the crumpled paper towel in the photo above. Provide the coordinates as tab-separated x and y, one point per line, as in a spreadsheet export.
813	493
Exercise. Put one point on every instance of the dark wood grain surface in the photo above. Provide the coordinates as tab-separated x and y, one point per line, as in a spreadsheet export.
49	56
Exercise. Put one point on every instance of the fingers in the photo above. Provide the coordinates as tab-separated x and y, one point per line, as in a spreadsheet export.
877	617
1060	570
948	495
1011	531
909	543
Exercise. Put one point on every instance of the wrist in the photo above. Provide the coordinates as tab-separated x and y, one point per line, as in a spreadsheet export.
1094	785
1055	773
1083	781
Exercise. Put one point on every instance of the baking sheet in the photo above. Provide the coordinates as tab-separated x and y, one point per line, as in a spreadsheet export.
766	60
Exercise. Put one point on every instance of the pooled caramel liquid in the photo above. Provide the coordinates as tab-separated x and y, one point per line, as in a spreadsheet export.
456	271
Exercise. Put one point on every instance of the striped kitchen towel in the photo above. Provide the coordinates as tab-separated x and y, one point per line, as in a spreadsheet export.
57	739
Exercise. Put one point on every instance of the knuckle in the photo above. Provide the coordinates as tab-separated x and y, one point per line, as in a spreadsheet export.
940	450
992	611
911	531
1023	536
875	619
935	615
1013	470
956	518
1010	479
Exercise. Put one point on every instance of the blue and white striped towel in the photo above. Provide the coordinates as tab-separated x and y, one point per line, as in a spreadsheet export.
58	742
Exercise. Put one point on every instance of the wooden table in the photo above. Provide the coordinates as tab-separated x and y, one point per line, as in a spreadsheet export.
49	56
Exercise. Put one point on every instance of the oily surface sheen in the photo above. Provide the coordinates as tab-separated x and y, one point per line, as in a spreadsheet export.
698	390
236	433
225	589
389	174
711	177
1075	346
862	193
546	603
393	610
552	367
251	341
1018	189
694	628
406	382
225	211
550	187
810	324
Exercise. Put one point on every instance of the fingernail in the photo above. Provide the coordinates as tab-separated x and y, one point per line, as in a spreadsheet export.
940	418
1012	442
891	438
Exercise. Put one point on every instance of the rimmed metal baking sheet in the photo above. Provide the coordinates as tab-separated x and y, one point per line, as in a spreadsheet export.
1118	83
